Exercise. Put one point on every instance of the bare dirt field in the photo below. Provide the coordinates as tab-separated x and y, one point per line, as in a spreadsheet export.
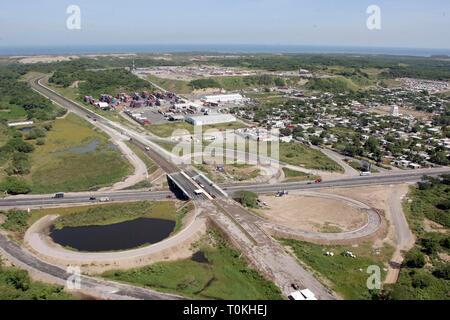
46	59
312	213
385	110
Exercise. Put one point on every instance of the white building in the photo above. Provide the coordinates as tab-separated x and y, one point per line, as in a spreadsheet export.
102	105
223	98
210	119
395	112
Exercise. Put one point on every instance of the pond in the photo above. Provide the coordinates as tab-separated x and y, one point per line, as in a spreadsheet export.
115	237
199	257
90	147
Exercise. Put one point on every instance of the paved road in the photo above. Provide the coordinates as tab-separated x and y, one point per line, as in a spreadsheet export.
82	198
268	256
89	285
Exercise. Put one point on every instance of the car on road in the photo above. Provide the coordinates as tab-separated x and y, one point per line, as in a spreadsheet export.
147	148
104	199
92	198
59	195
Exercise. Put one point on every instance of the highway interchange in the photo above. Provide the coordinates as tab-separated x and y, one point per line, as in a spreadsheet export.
260	249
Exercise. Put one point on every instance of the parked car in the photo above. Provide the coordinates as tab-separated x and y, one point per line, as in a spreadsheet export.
59	195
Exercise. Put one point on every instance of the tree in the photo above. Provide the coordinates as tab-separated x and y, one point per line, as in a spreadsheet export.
15	185
429	245
317	141
285	132
440	158
414	259
372	144
442	271
246	198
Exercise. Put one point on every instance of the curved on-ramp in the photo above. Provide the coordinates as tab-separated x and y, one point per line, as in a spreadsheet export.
374	223
178	245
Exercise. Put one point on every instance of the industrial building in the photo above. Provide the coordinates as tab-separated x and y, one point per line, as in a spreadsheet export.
210	119
223	98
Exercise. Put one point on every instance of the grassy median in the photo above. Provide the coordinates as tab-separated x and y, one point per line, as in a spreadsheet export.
76	157
345	275
223	274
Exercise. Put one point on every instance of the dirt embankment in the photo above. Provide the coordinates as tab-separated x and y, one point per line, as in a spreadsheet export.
315	214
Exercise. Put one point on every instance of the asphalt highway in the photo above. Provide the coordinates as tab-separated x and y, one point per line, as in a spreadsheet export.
83	198
270	258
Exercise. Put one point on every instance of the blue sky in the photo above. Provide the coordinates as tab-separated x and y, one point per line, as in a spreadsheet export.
405	23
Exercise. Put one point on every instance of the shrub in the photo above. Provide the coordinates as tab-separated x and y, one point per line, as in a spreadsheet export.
442	272
15	185
414	259
429	245
421	280
247	198
16	220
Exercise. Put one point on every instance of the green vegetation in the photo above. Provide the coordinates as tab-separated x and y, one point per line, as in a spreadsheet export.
112	213
76	157
16	220
242	172
293	175
239	82
14	186
334	85
225	275
18	101
346	275
431	200
300	155
95	83
144	184
391	67
204	83
246	198
425	271
15	284
178	86
167	129
150	164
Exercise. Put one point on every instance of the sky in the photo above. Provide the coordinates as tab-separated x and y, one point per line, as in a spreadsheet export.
404	23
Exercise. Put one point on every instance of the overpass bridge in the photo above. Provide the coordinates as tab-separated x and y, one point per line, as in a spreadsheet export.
192	185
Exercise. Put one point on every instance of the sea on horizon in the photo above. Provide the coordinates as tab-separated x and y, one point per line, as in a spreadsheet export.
214	48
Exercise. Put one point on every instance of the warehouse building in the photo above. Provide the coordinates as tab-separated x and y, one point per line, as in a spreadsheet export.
223	98
210	119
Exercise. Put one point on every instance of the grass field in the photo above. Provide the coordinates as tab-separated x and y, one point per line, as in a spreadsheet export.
347	276
11	112
16	284
150	164
108	213
293	176
291	153
57	166
300	155
225	275
177	86
74	95
166	130
429	280
17	222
